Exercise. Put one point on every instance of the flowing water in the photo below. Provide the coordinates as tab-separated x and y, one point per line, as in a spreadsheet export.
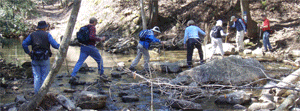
15	54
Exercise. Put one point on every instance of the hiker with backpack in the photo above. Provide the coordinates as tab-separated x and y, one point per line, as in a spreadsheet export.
216	34
87	38
40	40
241	31
265	27
146	37
192	39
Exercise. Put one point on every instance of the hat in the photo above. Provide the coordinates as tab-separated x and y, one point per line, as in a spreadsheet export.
190	22
232	17
156	29
219	23
42	24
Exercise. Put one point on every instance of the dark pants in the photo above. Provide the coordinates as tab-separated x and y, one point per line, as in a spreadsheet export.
191	44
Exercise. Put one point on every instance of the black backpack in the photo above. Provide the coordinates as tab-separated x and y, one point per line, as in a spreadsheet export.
216	32
83	35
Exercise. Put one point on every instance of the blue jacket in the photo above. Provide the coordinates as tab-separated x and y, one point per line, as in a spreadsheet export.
28	42
150	37
239	25
192	32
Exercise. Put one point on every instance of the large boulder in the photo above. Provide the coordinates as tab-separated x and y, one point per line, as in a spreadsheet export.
91	100
231	70
165	67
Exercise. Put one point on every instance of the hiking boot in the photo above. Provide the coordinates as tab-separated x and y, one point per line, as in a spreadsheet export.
75	81
104	78
132	68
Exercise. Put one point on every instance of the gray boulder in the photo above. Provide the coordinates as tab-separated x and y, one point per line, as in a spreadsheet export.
231	70
91	100
165	67
239	97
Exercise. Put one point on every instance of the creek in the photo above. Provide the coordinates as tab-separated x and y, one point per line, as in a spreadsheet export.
14	53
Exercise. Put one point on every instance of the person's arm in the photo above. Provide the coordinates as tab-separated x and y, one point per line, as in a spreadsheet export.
185	36
201	31
92	34
53	43
25	44
222	33
232	26
243	25
152	37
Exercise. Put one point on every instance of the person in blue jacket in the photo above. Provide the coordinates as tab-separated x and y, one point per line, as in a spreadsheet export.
142	48
192	39
40	40
241	31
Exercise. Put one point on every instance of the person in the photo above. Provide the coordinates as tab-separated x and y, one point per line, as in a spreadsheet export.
142	48
265	27
192	40
40	40
89	50
216	34
241	31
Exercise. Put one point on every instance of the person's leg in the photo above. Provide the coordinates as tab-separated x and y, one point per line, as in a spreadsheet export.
94	53
45	69
138	56
82	57
237	38
197	44
268	40
219	42
146	58
190	50
36	75
241	40
214	43
265	40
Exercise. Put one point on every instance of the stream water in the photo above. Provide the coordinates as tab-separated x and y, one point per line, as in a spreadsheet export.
15	54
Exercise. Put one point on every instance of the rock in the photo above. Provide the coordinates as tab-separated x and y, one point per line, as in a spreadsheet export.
165	67
56	108
183	104
91	100
13	109
259	106
7	106
120	66
238	106
295	53
84	67
239	97
295	109
247	51
26	65
70	90
246	41
29	73
123	93
116	75
231	70
128	99
258	52
15	88
266	98
66	102
20	99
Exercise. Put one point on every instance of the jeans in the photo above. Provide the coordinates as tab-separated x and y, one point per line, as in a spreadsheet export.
240	40
266	40
40	69
141	51
191	44
86	51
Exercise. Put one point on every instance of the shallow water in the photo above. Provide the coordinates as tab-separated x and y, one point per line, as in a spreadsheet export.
15	54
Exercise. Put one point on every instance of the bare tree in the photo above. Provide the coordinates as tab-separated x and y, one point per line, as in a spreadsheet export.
251	25
153	9
36	100
143	15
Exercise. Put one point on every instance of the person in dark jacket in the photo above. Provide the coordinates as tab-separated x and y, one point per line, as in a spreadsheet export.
241	31
90	50
191	40
40	41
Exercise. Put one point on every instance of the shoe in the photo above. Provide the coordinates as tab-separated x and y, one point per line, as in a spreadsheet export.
104	78
75	81
132	68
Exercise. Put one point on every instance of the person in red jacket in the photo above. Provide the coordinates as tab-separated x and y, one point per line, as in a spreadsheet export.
265	27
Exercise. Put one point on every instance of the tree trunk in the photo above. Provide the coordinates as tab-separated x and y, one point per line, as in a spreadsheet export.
153	6
251	25
287	103
59	59
143	15
288	82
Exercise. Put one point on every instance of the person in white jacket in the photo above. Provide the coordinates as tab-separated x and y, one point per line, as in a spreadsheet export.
216	34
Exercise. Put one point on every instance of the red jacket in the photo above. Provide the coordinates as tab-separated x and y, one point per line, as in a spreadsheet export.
93	38
266	23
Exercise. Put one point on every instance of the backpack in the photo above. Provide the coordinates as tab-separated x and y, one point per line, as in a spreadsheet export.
83	35
244	23
143	34
216	32
271	31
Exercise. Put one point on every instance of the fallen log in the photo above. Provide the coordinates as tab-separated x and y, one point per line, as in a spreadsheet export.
287	82
287	103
